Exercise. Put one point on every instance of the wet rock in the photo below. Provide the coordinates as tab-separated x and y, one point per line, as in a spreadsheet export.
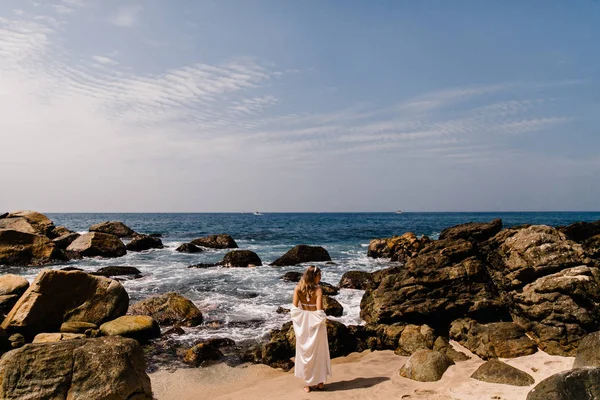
176	331
292	276
241	259
588	351
76	369
67	269
473	231
282	310
397	248
207	351
205	265
494	340
57	296
581	231
116	270
168	309
357	280
56	337
189	248
115	228
77	327
302	254
156	235
222	241
22	248
98	244
426	366
328	289
140	327
495	371
64	241
27	221
332	307
580	384
144	242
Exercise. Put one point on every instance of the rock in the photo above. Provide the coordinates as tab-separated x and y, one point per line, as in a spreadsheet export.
592	246
144	242
222	241
64	241
77	327
575	384
426	366
207	351
56	337
415	337
16	340
27	221
22	248
301	254
495	371
332	307
3	215
380	274
57	296
58	232
11	284
168	309
98	244
7	302
115	228
292	276
588	354
473	231
205	265
328	289
176	330
76	369
156	234
71	269
442	344
397	248
445	281
189	248
140	327
581	231
494	340
282	310
115	270
550	284
357	280
241	259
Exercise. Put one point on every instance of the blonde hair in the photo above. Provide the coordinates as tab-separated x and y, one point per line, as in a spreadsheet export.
308	282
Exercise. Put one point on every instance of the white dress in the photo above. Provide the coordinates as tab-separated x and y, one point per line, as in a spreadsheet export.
313	363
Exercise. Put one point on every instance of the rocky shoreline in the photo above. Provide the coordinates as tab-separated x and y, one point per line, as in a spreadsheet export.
499	292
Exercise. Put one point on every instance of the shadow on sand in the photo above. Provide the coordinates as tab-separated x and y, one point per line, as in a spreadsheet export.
356	383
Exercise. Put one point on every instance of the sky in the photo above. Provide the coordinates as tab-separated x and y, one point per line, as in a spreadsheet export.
299	106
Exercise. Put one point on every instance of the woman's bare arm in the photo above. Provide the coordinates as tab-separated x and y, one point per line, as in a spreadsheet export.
319	299
296	298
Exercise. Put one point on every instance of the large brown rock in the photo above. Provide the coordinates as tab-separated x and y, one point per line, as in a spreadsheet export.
332	307
144	242
22	248
27	221
116	228
495	371
241	259
473	231
397	248
98	244
168	309
222	241
13	284
415	337
426	366
139	327
55	297
581	231
494	340
357	280
574	384
301	254
100	369
588	351
189	248
592	246
550	284
64	241
445	281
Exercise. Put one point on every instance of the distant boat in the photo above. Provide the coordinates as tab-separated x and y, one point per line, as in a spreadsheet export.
399	212
257	213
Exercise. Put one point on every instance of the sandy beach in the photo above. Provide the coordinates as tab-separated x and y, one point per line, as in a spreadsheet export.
366	375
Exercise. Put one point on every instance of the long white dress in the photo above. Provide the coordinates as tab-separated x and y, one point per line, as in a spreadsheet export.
313	363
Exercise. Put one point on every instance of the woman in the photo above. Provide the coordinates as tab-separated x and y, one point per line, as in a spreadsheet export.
312	348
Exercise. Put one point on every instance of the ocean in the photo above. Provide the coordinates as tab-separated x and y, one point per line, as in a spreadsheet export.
241	303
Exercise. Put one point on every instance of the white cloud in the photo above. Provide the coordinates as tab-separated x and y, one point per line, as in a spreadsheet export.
61	9
126	17
105	60
18	12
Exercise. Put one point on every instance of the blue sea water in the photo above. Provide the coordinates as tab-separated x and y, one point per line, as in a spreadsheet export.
241	303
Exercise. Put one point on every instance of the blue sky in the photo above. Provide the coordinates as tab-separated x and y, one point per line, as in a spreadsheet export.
299	105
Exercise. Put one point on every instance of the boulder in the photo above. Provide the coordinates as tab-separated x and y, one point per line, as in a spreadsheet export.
302	254
205	265
77	327
357	280
442	344
59	231
57	296
116	270
473	231
22	248
16	340
241	259
222	241
7	302
445	281
101	368
56	337
188	248
494	340
588	351
115	228
328	289
64	241
27	221
397	248
581	231
426	366
144	242
168	309
13	284
495	371
207	351
592	246
332	307
139	327
580	384
292	276
98	244
415	337
551	285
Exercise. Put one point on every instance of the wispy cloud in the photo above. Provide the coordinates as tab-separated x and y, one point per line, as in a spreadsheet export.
126	17
105	60
62	9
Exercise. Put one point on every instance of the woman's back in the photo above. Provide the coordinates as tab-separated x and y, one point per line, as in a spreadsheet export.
308	301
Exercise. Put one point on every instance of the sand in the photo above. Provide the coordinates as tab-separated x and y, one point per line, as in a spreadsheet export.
366	375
